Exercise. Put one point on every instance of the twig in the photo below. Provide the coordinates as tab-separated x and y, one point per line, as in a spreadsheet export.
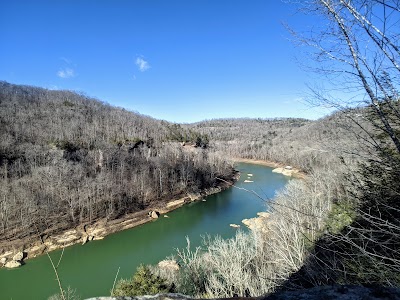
59	261
115	279
58	278
52	264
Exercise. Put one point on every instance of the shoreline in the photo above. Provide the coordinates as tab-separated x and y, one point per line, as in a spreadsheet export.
278	167
84	233
257	223
99	229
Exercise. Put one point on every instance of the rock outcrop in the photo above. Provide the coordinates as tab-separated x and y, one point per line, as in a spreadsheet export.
283	171
147	297
18	256
99	229
259	223
12	264
342	292
154	214
15	261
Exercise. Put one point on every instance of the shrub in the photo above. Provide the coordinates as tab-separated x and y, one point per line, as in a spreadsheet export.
68	294
143	282
341	215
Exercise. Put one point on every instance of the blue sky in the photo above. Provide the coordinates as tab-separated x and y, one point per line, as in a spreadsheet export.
179	60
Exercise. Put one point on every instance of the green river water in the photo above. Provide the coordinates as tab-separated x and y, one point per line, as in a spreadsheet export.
90	269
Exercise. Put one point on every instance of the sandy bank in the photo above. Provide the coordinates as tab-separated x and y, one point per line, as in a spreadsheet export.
278	167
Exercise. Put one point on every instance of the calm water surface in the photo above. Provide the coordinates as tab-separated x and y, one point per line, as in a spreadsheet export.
90	269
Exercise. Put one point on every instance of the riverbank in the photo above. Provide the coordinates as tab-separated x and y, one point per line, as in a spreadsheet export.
99	229
259	223
278	167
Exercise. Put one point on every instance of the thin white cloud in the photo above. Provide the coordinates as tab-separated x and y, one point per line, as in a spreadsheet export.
66	73
142	64
66	60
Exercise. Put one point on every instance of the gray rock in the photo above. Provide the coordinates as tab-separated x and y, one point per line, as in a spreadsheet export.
147	297
12	264
343	292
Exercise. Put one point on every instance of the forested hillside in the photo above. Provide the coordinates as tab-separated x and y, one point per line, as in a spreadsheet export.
340	225
67	159
300	142
337	226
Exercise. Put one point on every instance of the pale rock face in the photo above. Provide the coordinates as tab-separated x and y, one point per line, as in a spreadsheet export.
85	239
19	256
349	292
3	260
12	264
155	214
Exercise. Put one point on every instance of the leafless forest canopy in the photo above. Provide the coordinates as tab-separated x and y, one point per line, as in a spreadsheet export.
300	142
67	159
341	224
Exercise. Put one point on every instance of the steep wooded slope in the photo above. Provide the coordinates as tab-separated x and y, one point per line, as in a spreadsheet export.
67	159
300	142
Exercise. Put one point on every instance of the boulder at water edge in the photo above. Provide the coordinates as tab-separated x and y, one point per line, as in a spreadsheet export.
155	214
19	256
12	264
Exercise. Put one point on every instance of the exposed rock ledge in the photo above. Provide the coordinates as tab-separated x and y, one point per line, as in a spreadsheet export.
99	229
345	292
259	223
287	171
278	167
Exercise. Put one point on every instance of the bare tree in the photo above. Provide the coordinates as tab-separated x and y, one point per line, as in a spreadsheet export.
358	50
